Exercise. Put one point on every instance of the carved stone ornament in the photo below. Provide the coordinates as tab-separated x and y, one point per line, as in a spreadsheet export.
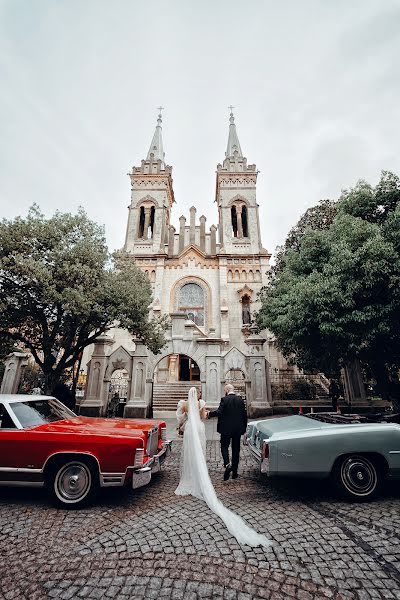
245	291
119	364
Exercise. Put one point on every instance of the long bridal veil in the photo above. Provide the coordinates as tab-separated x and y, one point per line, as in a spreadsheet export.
196	481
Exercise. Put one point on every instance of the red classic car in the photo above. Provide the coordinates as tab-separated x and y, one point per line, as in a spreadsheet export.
42	442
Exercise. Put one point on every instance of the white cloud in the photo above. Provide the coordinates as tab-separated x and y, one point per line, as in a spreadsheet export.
314	84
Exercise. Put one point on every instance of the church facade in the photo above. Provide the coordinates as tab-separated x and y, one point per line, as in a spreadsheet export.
207	280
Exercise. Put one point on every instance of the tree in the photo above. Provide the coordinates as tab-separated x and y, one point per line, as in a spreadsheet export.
60	290
335	296
316	218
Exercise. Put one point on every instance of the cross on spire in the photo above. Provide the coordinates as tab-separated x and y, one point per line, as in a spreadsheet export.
231	108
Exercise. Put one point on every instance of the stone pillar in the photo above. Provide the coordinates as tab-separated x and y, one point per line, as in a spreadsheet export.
192	236
139	401
96	397
14	365
258	388
213	231
178	321
171	240
173	367
239	221
147	215
203	233
182	222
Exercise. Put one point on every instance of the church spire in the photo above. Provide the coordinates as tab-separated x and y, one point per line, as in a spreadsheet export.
233	140
156	146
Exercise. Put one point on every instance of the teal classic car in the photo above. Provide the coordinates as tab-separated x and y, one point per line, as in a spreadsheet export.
357	453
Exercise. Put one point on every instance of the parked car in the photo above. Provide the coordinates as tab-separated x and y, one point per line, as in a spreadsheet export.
42	442
356	452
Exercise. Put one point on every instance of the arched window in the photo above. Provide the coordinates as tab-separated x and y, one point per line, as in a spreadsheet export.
146	222
234	221
245	222
191	301
239	216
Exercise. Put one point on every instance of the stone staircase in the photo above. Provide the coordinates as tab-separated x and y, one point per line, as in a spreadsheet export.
167	395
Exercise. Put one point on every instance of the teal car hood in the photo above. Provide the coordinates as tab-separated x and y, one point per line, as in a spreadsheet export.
290	424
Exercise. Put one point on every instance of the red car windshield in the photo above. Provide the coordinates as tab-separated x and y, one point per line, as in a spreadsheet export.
38	412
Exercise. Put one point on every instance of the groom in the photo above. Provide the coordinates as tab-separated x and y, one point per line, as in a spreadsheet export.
232	423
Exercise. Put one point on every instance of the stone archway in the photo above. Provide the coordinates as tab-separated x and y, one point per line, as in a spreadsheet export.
173	376
237	378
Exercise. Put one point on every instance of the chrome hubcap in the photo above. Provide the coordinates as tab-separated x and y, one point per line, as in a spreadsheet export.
359	475
73	481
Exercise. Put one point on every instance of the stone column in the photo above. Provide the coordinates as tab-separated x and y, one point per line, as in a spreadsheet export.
182	222
14	365
259	387
173	367
171	240
192	236
96	398
203	233
139	401
239	221
147	215
213	231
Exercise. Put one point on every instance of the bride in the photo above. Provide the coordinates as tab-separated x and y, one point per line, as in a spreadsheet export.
195	479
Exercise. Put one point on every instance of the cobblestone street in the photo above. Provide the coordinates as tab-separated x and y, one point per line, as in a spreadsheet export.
152	544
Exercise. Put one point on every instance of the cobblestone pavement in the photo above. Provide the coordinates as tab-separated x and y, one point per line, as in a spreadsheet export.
152	544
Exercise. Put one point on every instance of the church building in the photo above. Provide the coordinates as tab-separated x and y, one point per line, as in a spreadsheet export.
207	280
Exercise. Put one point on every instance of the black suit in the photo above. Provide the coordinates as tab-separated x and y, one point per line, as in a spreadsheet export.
232	423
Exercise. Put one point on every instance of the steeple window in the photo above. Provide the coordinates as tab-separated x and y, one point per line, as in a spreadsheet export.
146	222
234	221
239	219
245	222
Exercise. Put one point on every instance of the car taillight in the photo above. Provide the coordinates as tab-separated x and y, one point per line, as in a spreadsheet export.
139	455
265	450
163	434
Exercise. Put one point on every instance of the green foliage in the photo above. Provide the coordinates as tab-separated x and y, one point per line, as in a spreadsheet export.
335	292
299	389
59	290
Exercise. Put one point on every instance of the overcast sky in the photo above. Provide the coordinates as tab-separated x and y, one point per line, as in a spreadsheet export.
315	83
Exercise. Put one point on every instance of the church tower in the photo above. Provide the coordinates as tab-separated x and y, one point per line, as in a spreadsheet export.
152	197
239	226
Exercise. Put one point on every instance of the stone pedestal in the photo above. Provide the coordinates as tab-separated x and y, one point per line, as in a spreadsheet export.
139	401
14	365
258	387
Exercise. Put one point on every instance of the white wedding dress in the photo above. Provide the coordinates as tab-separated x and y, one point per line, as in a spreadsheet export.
196	481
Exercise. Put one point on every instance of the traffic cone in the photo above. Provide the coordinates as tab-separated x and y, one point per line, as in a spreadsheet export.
300	410
312	410
339	412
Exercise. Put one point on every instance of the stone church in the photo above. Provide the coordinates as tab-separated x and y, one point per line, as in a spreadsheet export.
206	279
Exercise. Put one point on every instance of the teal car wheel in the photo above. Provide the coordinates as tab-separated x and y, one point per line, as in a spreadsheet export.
357	477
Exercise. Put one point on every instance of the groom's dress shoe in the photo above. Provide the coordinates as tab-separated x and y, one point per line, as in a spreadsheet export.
228	470
235	475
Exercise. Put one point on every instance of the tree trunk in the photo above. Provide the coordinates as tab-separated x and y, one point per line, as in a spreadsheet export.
51	378
382	379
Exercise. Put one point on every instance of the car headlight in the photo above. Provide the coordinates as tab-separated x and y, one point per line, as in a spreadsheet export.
163	434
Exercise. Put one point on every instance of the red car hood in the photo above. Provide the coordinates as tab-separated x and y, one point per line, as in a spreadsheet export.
96	426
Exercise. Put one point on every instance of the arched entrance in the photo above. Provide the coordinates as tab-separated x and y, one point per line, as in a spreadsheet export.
174	375
176	367
236	377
